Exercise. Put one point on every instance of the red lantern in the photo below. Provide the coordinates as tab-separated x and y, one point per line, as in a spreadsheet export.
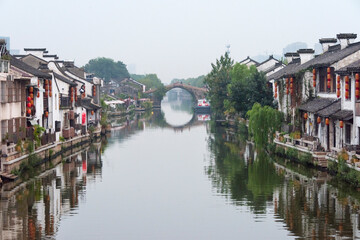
50	94
327	121
328	78
92	112
357	86
305	116
38	94
31	89
50	82
28	98
29	111
46	87
319	120
275	84
46	82
347	87
46	114
83	118
287	85
32	102
341	124
29	105
338	86
71	98
31	96
314	77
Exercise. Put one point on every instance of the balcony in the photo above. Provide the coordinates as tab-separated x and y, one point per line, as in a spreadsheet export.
4	66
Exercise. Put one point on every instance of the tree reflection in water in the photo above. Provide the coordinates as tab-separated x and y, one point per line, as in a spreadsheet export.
309	202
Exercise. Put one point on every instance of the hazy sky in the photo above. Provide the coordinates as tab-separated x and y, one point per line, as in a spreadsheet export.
175	39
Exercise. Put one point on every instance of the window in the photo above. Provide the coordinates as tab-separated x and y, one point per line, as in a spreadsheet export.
323	80
348	133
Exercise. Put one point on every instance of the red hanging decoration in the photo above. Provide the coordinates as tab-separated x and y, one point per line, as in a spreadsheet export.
327	121
314	77
328	78
319	120
341	124
287	86
347	87
357	87
291	86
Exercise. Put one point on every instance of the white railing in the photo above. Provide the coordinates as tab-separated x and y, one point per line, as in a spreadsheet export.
306	144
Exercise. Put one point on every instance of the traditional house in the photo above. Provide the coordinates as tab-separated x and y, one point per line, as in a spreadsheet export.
249	62
313	80
270	66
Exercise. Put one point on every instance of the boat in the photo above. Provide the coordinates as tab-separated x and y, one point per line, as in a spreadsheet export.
202	106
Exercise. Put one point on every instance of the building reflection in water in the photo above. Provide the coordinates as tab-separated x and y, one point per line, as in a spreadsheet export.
33	210
308	202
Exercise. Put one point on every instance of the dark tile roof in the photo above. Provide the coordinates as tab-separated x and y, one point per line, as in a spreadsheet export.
270	58
272	68
343	115
327	40
331	109
284	71
334	47
64	79
51	56
248	58
316	104
88	104
352	67
23	66
291	54
34	49
327	58
346	35
306	50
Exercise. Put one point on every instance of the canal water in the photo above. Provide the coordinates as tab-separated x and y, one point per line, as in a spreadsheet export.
172	174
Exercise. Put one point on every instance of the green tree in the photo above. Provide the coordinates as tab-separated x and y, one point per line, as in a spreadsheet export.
149	80
263	122
247	87
196	82
107	69
216	81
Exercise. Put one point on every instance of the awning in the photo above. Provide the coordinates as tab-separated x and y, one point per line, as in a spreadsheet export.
330	109
316	104
345	115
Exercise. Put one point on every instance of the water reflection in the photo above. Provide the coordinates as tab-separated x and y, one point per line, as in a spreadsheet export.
34	209
177	107
308	202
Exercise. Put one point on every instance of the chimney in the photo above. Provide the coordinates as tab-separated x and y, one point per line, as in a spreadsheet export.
305	54
326	43
346	38
289	56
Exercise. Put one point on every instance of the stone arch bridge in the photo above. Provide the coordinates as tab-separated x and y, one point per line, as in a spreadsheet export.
196	92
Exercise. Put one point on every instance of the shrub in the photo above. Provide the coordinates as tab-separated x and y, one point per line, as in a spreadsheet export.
292	153
306	158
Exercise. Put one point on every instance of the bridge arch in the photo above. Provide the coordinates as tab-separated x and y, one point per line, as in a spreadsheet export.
196	92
